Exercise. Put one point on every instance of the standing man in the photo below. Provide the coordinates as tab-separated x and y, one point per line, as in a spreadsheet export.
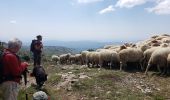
36	48
12	70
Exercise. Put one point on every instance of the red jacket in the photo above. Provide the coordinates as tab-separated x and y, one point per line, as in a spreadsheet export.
13	66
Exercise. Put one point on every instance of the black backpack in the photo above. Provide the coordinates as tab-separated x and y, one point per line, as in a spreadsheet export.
32	46
2	54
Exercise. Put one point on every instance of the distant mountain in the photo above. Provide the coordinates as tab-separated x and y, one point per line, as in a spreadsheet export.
50	50
75	46
79	45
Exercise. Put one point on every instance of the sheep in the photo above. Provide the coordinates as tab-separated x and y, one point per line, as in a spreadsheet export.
78	59
168	62
98	50
160	37
130	55
144	47
84	53
166	40
55	58
72	59
64	58
109	57
89	58
147	54
95	58
107	46
164	45
166	35
159	58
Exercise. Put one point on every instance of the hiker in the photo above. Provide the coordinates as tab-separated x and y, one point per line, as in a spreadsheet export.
36	49
13	68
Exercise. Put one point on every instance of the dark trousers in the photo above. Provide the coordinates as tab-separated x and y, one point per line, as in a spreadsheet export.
37	58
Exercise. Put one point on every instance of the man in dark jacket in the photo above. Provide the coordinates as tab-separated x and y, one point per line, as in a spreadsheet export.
37	50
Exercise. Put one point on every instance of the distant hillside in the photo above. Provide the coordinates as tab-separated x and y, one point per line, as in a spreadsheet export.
49	50
79	45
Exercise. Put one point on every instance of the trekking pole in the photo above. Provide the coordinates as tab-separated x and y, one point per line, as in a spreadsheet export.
25	81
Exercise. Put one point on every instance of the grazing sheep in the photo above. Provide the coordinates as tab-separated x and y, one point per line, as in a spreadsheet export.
84	54
98	50
159	58
89	58
95	58
107	46
133	55
144	47
160	37
64	58
168	63
55	58
147	54
78	59
109	57
164	45
72	59
166	40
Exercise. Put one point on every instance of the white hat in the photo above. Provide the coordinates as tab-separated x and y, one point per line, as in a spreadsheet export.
40	95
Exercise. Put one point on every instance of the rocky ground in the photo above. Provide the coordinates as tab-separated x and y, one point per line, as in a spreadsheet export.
76	82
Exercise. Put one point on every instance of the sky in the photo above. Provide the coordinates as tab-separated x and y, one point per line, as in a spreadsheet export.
80	20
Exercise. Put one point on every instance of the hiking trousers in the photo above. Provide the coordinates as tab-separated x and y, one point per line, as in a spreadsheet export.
37	58
9	90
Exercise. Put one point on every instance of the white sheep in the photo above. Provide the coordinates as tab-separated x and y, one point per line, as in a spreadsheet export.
95	58
130	55
78	59
55	58
84	54
109	58
159	58
72	59
64	58
147	54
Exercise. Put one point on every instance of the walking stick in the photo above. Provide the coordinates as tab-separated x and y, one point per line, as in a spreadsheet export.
25	81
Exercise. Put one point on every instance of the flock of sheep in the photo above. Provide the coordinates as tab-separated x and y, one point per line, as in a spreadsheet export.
153	52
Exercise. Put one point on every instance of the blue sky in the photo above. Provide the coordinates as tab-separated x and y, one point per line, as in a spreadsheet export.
74	20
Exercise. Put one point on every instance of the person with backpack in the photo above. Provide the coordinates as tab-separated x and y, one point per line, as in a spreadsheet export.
11	70
36	49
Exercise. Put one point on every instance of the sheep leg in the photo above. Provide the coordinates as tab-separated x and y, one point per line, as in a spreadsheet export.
141	66
158	67
147	68
101	63
164	71
121	65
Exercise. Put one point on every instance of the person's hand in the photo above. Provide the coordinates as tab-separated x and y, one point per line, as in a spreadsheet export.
24	65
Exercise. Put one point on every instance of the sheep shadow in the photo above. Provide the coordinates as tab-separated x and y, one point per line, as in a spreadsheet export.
132	68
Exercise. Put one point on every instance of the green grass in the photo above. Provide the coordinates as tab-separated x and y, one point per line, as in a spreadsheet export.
102	84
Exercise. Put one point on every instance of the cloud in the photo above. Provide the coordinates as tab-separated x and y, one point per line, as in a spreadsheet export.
13	21
88	1
162	7
107	10
129	3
